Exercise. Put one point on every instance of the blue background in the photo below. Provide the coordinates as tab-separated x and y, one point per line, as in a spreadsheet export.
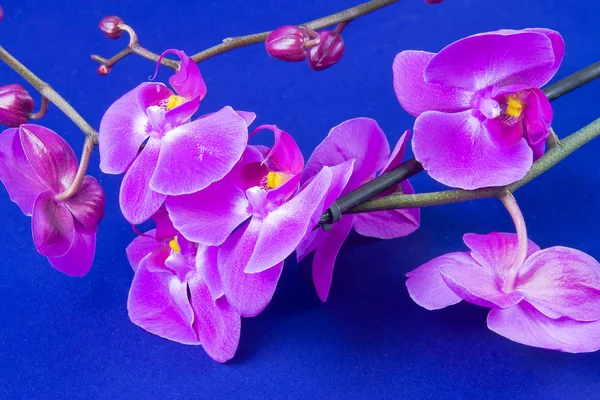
66	338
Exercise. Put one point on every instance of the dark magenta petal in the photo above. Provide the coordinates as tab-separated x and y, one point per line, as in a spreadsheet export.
139	202
524	324
285	155
78	260
52	226
504	135
50	156
504	57
182	113
538	117
456	150
216	324
20	180
87	204
417	96
165	231
188	81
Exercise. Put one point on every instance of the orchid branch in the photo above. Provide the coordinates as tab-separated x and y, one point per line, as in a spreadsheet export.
50	94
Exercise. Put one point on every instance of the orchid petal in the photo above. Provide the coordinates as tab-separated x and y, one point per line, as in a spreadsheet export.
125	126
395	159
49	155
140	247
87	204
524	324
562	282
538	117
426	286
199	153
138	201
457	151
78	260
248	116
20	180
187	81
208	270
52	226
417	96
215	322
285	154
182	113
492	58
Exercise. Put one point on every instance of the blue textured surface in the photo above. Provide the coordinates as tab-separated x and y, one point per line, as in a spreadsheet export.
65	338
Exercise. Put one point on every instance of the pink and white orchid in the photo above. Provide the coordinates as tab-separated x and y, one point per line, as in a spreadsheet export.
148	135
36	167
361	145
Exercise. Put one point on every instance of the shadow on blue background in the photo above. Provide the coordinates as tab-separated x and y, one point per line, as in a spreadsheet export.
65	338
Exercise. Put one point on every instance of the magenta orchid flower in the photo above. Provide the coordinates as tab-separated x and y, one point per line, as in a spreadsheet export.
481	117
147	134
362	144
172	291
36	166
546	298
260	198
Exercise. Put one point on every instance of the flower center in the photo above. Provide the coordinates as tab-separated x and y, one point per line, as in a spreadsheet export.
276	179
174	245
174	101
514	106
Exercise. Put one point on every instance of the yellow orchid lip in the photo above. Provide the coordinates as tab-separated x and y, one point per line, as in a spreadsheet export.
174	245
276	179
514	106
174	101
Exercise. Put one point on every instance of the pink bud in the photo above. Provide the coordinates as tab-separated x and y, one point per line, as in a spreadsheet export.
103	70
110	26
1	13
287	43
15	105
328	52
433	1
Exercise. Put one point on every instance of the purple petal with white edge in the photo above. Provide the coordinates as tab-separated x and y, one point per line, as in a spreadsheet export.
360	139
328	247
426	286
283	228
78	260
248	294
524	324
20	180
199	153
50	156
141	246
52	226
208	269
125	126
496	251
456	150
285	154
188	81
415	95
138	201
492	58
217	325
158	302
87	204
538	117
475	284
562	282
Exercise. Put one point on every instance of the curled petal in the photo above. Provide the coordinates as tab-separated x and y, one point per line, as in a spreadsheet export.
538	117
138	201
502	58
125	126
426	287
248	116
285	155
87	205
20	180
417	96
52	226
199	153
562	282
78	260
397	155
456	150
188	81
50	156
524	324
142	246
182	113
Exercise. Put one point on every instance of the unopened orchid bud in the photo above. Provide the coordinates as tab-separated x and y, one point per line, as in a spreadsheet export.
15	105
110	26
328	52
1	13
287	43
433	1
103	70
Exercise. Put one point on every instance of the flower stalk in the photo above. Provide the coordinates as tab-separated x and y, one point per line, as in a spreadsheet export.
513	209
88	148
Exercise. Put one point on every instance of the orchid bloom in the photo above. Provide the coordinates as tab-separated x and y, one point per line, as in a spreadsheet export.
481	117
361	143
36	167
544	298
260	198
172	291
147	134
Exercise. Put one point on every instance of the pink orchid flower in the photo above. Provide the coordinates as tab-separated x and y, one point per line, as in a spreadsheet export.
147	134
172	291
481	117
37	165
548	298
260	198
362	144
